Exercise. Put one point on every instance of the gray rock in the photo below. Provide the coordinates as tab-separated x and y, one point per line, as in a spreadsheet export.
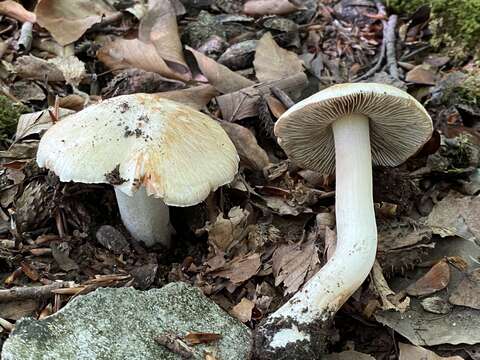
112	239
122	324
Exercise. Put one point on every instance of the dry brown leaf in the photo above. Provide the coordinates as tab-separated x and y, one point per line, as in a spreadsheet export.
456	215
468	291
132	53
410	352
67	21
159	27
273	62
34	68
251	154
269	7
196	97
240	269
330	242
294	264
437	278
195	338
243	310
421	75
221	77
225	233
37	122
16	11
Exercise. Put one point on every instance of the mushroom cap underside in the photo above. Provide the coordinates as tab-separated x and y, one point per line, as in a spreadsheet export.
178	153
399	125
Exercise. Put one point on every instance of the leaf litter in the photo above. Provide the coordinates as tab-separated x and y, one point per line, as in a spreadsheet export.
257	241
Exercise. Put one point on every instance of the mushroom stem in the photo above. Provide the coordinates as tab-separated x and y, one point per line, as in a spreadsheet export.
307	315
145	217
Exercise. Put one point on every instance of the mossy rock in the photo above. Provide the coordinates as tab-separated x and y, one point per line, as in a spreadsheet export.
9	114
455	23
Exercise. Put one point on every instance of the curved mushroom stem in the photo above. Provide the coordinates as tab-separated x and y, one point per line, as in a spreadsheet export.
300	327
145	217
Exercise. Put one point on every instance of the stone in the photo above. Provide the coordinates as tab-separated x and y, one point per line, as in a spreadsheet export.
112	239
122	323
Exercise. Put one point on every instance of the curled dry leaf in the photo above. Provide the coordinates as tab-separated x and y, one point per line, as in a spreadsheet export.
196	97
132	53
67	21
273	62
409	352
225	233
468	291
251	154
387	295
269	7
243	310
437	278
16	11
195	338
294	264
221	77
159	27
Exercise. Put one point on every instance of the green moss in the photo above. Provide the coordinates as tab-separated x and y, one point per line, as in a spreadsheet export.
9	114
462	88
455	23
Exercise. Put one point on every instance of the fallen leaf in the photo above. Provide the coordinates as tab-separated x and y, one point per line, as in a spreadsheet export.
269	7
225	233
468	291
37	122
26	91
456	215
436	279
195	338
196	97
159	27
67	21
16	11
410	352
243	310
61	256
251	154
294	264
221	77
132	53
240	269
273	62
33	68
421	75
436	305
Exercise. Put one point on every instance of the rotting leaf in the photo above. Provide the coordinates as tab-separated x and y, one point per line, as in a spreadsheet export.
61	256
243	310
409	352
437	278
221	77
273	62
33	68
196	97
387	296
251	154
468	291
37	122
456	215
67	21
159	27
294	264
195	338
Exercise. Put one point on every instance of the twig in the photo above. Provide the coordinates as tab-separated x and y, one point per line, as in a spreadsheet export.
26	37
390	44
34	292
7	325
282	96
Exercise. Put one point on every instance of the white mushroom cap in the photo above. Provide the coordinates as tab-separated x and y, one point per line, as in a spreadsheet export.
399	125
178	153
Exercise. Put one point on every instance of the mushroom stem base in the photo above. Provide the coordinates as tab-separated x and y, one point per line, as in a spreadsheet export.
145	217
293	329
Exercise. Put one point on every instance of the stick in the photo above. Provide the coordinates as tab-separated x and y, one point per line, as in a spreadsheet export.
34	292
390	44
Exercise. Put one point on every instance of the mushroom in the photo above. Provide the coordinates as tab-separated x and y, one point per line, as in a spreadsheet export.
345	128
156	152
